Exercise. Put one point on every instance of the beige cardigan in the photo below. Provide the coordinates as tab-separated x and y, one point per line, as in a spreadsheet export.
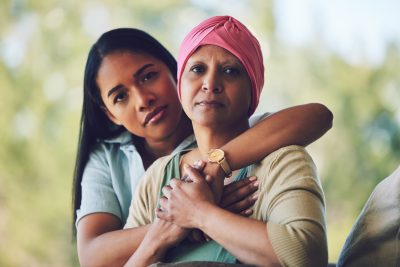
291	202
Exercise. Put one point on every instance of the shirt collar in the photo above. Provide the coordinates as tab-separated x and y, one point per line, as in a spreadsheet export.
123	138
126	138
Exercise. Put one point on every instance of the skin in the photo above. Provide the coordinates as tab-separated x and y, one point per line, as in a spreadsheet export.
101	240
142	98
191	205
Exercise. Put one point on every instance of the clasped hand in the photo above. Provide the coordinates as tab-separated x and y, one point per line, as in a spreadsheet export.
184	198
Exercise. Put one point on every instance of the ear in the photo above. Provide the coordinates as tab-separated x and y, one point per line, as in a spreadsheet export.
110	116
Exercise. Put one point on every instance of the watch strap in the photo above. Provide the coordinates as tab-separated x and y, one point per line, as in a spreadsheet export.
225	167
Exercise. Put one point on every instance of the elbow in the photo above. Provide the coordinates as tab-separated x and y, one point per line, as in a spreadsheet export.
325	114
86	257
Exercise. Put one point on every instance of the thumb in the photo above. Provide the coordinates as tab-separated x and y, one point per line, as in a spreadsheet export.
193	174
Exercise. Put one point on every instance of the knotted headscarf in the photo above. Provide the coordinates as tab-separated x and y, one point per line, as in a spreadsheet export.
232	35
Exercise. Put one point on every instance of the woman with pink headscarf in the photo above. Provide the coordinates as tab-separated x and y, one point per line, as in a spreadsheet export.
220	78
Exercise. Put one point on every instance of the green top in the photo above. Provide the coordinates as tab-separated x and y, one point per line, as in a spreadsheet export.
195	251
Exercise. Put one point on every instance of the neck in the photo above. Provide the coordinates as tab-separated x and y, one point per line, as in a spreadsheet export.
216	137
151	149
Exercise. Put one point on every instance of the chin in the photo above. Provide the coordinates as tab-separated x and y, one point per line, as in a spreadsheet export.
209	122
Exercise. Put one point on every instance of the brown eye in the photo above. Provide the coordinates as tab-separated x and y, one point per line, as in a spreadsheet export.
197	69
120	97
231	71
149	76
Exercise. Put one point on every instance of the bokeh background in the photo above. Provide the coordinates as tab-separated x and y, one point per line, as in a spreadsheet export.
344	54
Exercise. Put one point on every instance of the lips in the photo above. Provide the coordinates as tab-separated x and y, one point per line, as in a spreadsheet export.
210	103
155	115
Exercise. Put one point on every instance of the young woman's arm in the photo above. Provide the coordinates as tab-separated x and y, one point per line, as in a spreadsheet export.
101	242
160	236
298	125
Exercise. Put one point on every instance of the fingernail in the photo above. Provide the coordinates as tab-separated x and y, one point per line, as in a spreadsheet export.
253	178
256	183
249	211
255	196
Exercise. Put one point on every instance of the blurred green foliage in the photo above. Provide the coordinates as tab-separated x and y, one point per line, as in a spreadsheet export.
43	48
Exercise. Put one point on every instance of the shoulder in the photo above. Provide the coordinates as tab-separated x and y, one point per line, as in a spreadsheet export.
290	157
112	147
256	118
289	168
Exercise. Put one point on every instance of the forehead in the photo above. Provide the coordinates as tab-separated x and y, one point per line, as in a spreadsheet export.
207	52
122	63
127	57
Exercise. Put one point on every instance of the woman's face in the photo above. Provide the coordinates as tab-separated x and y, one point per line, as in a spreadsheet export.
215	88
139	92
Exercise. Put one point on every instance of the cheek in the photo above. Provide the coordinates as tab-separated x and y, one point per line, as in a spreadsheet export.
186	96
243	100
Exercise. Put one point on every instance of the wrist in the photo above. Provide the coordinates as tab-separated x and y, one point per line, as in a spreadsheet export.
151	250
218	157
214	170
201	215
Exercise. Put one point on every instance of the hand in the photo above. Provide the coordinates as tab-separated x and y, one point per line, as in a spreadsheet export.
167	233
182	200
215	177
238	196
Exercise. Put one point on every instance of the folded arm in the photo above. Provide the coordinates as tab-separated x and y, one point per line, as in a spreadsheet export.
101	242
290	225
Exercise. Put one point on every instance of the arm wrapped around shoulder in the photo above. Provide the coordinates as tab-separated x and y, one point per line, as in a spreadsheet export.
291	201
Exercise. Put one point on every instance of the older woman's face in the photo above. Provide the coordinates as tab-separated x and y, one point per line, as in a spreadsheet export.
215	88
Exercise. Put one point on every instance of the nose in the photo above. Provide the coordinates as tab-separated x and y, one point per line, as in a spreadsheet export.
212	82
144	100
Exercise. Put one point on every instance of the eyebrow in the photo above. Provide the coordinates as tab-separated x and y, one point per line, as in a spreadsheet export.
230	61
136	74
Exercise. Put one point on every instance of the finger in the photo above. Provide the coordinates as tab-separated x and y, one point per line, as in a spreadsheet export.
174	183
193	173
243	205
166	190
163	202
199	165
247	213
239	194
161	214
239	184
209	179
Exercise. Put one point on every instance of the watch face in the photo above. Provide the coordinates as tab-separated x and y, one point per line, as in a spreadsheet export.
215	155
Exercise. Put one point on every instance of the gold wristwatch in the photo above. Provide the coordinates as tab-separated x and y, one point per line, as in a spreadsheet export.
218	156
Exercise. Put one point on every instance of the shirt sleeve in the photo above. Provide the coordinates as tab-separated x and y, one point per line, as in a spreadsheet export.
145	199
293	206
98	194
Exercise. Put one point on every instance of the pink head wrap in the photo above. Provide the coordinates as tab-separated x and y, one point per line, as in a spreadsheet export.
232	35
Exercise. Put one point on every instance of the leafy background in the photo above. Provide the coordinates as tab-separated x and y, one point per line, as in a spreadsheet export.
43	48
